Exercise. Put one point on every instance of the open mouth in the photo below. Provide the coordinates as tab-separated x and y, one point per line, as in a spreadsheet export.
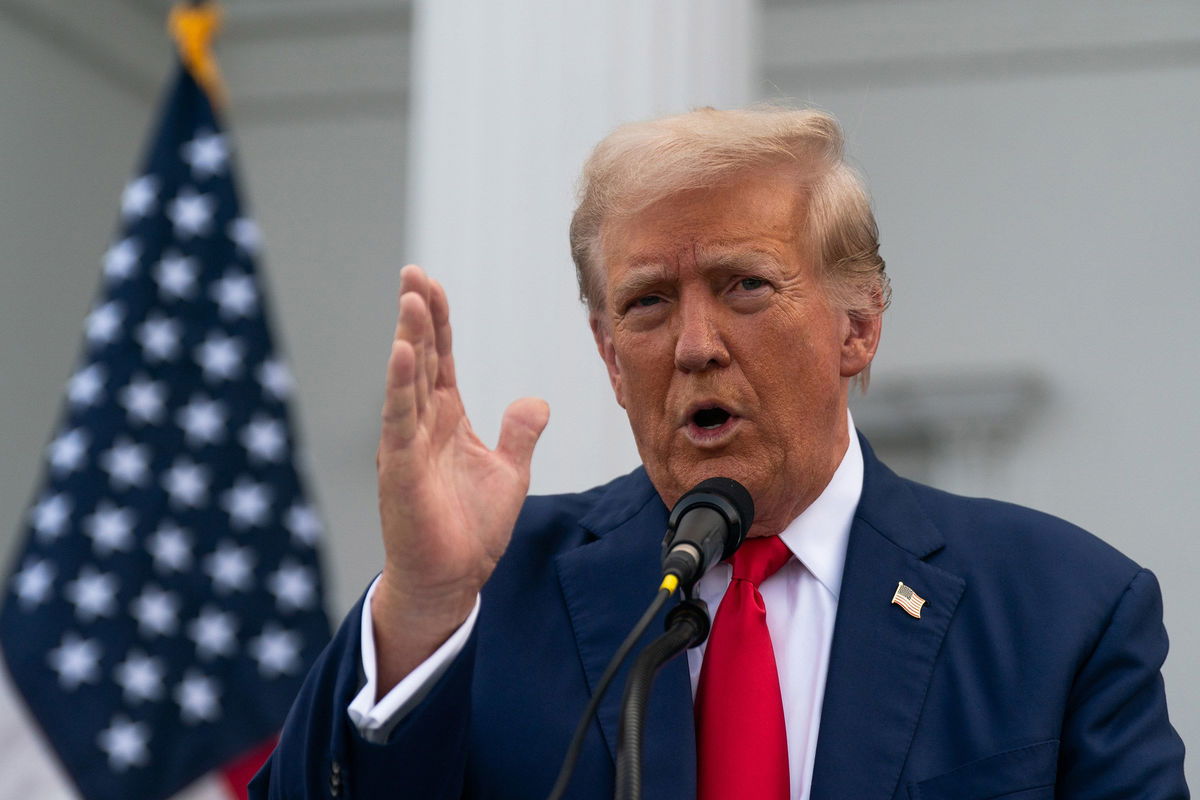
710	425
710	418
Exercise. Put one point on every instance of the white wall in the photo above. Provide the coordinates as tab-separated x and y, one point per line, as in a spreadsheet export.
318	112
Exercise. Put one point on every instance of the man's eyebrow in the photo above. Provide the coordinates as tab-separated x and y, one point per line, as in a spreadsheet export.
737	257
642	277
649	273
733	259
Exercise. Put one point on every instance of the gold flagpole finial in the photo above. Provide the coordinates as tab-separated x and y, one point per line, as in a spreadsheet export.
194	26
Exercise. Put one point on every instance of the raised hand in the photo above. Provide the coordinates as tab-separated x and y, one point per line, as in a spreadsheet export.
447	503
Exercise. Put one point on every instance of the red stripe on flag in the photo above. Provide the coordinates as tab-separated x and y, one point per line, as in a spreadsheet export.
237	773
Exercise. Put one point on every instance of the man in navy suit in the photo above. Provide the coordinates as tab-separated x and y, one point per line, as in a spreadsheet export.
730	266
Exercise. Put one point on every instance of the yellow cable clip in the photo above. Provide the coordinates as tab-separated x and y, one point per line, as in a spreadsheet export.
670	583
194	27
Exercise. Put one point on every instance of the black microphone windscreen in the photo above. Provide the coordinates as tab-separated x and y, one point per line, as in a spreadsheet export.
734	492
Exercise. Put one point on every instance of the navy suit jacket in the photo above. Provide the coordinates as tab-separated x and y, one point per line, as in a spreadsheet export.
1033	671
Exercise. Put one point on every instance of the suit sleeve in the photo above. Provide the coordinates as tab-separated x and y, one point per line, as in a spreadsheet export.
1117	741
321	753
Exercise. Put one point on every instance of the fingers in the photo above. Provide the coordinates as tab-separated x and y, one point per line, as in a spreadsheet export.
412	363
415	326
400	402
416	331
439	309
520	429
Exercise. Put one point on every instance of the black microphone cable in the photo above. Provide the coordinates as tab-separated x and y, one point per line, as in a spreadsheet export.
706	525
688	625
668	586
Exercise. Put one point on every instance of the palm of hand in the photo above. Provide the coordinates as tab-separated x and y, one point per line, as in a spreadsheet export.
447	503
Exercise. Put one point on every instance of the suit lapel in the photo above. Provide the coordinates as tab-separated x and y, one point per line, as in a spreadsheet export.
607	584
881	659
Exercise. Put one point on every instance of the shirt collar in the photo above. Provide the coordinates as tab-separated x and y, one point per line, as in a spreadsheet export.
818	537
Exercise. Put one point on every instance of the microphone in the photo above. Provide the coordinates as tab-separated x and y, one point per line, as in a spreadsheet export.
707	525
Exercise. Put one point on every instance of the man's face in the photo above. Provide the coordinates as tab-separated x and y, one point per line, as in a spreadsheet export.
722	347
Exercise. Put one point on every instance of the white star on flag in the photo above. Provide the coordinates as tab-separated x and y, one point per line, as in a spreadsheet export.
175	275
276	650
265	439
85	386
303	523
104	323
76	660
125	743
235	295
67	451
187	483
230	567
246	235
220	357
49	517
127	464
93	593
121	259
110	528
159	337
207	154
293	585
140	677
137	200
203	420
275	378
214	632
247	503
171	548
156	612
191	213
34	581
197	696
144	400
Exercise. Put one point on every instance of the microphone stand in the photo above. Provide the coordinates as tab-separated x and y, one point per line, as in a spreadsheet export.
687	626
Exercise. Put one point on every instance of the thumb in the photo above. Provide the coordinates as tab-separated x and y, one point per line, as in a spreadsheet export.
523	423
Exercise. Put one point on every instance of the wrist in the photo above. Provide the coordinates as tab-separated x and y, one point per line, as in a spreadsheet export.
409	626
422	608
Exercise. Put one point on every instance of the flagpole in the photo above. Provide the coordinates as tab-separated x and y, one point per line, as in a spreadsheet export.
194	24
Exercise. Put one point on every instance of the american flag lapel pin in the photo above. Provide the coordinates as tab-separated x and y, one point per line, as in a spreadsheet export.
909	600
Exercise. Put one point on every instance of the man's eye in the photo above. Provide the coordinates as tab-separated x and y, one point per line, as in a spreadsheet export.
648	300
750	284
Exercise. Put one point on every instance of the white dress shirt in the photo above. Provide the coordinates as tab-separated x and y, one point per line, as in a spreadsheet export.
801	600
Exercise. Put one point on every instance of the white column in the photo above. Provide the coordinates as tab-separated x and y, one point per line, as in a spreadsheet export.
508	99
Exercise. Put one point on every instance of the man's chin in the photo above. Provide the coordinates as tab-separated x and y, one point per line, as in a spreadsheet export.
682	478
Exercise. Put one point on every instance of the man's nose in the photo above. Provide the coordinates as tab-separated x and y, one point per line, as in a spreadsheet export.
699	343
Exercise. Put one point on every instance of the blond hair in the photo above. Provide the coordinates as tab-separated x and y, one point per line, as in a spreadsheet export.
640	163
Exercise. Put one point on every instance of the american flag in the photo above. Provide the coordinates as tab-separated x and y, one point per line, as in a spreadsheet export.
167	601
909	600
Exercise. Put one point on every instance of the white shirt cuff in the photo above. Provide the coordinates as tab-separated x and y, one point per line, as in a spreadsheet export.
375	721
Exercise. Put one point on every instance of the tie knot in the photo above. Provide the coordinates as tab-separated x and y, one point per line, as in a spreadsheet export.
759	558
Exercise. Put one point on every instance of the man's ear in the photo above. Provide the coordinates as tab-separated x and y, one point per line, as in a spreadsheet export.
602	333
860	343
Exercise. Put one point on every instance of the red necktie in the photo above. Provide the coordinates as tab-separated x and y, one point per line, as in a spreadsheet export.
741	741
